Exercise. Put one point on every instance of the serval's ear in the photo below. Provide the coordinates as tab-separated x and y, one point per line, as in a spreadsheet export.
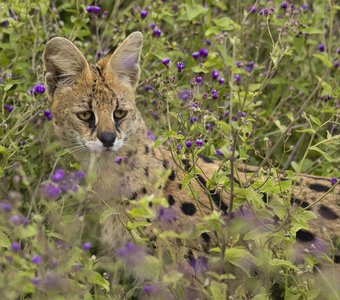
124	62
63	64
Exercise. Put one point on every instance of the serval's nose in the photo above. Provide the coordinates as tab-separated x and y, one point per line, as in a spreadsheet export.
107	138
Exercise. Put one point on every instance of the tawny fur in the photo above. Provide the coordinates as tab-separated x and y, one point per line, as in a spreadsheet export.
74	86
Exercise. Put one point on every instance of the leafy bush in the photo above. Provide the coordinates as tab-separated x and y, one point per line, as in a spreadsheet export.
238	81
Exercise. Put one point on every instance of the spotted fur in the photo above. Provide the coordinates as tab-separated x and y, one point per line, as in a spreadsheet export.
74	86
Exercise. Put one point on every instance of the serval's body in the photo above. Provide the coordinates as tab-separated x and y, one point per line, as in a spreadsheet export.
95	112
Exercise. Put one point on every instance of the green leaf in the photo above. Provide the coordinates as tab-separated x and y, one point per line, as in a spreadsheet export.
218	290
226	128
199	69
254	87
172	277
134	225
105	214
323	153
315	120
281	127
213	30
140	212
253	197
3	150
97	279
307	130
4	240
282	263
239	257
326	61
195	10
149	267
311	30
226	23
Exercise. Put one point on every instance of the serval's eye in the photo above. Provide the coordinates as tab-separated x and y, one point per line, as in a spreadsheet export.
119	114
85	115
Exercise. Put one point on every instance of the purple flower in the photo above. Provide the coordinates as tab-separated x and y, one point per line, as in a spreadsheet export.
148	288
4	23
166	215
16	219
226	113
156	32
336	64
38	89
166	61
48	114
80	175
96	9
252	9
188	144
184	94
199	79
180	66
284	5
321	47
214	94
118	160
304	6
250	66
209	126
237	79
338	50
8	107
215	74
199	143
153	25
266	11
221	80
334	180
148	88
326	98
86	246
15	247
203	52
195	105
58	175
77	267
36	259
150	135
6	207
243	114
131	254
219	152
208	42
35	281
195	55
50	191
143	13
105	14
200	265
239	64
89	8
193	119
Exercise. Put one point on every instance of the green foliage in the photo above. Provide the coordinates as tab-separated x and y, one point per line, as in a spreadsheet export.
282	111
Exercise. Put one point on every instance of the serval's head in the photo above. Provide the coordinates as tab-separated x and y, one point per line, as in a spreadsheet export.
93	107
